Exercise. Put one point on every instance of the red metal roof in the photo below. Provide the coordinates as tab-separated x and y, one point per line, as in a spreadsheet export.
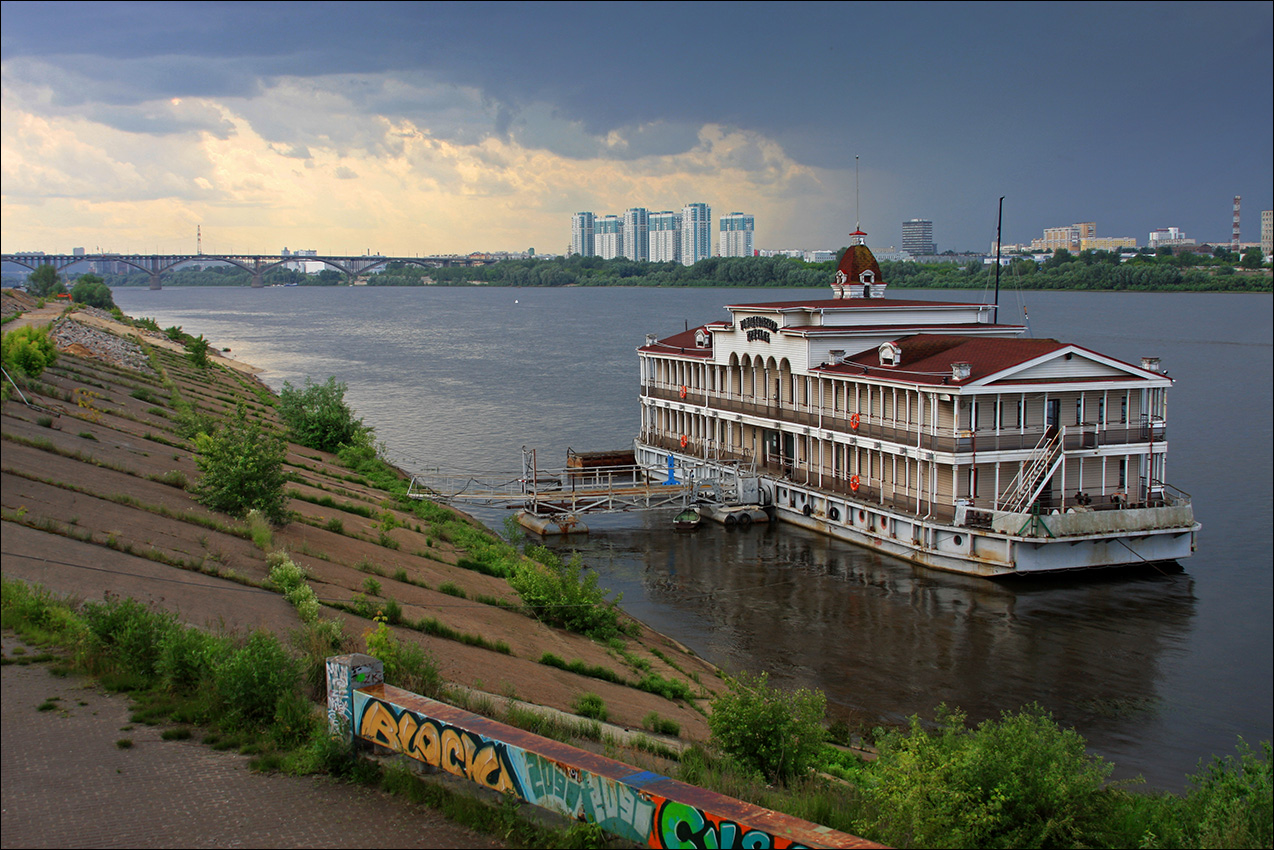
850	304
927	358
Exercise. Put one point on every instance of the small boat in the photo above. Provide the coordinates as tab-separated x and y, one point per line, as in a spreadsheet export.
687	520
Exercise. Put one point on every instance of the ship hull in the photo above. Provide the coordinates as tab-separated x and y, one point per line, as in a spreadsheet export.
1015	544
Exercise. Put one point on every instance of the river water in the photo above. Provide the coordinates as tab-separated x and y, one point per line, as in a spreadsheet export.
1156	669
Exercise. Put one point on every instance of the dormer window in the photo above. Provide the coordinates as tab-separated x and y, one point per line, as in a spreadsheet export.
890	354
841	277
868	277
701	338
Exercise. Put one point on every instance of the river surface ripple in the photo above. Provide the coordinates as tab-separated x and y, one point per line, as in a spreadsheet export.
1157	670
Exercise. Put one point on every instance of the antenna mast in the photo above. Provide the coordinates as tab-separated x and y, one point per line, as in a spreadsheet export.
199	239
999	221
858	218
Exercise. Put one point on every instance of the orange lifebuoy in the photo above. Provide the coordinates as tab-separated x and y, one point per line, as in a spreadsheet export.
853	421
853	483
685	441
683	390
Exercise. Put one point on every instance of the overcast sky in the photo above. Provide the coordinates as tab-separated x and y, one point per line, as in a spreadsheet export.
405	128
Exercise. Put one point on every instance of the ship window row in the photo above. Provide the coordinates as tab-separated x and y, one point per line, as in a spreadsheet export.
900	481
771	390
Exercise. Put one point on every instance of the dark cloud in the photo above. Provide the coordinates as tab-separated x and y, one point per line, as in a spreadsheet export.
955	101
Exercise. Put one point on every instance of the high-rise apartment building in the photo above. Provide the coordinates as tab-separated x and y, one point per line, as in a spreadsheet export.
736	235
917	237
608	237
636	234
665	237
1267	233
696	233
583	225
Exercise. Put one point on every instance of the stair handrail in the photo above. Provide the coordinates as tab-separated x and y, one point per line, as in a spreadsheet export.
1032	474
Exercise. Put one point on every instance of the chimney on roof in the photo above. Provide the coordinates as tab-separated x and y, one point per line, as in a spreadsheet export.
651	339
961	371
1150	364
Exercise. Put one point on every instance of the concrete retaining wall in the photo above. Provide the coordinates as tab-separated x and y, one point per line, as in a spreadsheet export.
640	806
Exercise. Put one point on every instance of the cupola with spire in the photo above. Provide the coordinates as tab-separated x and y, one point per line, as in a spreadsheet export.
858	275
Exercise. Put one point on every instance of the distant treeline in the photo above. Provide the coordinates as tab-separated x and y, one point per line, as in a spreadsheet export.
1089	270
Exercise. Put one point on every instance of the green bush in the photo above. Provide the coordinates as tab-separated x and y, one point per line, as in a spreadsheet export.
128	636
775	732
28	350
660	725
1020	781
407	665
187	658
591	705
317	416
560	594
1231	801
251	682
242	469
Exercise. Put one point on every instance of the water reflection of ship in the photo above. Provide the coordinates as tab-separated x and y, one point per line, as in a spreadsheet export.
885	639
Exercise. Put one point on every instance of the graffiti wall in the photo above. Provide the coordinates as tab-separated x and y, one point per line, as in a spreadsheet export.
638	806
345	673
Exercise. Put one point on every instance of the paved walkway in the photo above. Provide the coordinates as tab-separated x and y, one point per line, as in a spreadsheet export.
65	783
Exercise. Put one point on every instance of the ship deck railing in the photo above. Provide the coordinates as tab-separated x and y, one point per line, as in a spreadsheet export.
1088	435
908	502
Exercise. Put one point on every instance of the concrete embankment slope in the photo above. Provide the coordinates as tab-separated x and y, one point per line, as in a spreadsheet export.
95	502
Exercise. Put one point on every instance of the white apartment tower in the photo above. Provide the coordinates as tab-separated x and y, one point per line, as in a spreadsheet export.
583	225
636	234
736	235
608	237
696	233
665	237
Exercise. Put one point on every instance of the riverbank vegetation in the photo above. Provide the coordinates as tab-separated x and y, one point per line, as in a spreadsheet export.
1220	271
1018	781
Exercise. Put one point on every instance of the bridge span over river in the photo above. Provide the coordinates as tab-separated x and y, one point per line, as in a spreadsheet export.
257	265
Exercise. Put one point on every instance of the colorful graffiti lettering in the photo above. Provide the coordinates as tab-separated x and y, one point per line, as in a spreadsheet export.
618	802
679	825
614	806
455	750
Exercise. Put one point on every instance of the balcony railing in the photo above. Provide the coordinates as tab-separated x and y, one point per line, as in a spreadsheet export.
1075	438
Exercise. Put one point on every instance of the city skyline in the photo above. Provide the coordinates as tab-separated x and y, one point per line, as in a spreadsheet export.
125	127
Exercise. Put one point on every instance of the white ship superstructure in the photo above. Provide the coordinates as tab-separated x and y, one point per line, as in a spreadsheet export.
922	429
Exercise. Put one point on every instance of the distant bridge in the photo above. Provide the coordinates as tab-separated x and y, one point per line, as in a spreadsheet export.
255	264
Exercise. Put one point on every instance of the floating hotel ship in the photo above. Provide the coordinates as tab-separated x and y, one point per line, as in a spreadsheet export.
922	429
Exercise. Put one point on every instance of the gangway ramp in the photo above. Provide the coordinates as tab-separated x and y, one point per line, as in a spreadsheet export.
565	490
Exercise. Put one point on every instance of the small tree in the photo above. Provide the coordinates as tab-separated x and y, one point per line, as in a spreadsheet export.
92	290
242	469
317	416
1252	259
28	350
778	733
45	282
197	352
